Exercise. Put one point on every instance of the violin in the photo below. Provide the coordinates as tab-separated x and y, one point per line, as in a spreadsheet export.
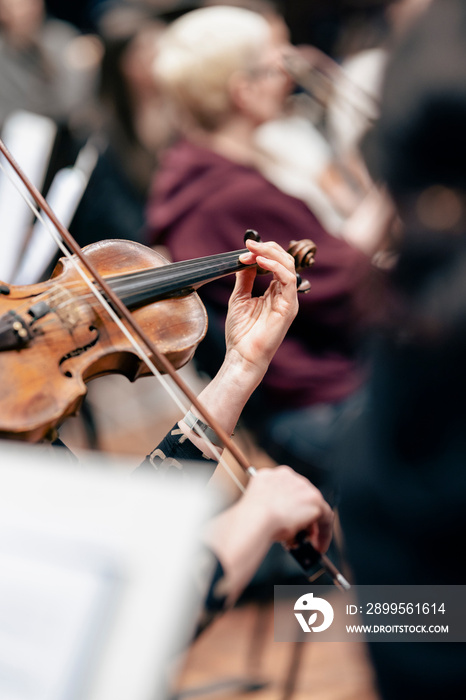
55	336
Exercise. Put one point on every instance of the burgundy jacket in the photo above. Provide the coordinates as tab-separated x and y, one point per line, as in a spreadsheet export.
202	204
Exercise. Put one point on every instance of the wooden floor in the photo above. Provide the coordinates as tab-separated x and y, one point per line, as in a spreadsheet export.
233	649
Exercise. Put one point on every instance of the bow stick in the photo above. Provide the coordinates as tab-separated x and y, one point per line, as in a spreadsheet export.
303	552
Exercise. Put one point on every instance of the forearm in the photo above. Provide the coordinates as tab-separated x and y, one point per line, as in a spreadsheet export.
240	539
226	395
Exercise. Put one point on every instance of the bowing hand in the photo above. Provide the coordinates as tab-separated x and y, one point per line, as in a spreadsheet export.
289	503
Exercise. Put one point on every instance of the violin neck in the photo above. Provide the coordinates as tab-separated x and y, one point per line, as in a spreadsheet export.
175	279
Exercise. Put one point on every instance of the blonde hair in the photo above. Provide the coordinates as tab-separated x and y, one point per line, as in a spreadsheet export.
199	53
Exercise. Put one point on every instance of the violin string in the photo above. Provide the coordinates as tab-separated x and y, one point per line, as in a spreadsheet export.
136	345
49	294
160	275
157	275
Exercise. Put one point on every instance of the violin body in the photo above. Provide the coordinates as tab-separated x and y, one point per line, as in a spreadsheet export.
55	336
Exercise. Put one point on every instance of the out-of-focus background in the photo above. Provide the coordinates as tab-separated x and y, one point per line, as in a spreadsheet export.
86	116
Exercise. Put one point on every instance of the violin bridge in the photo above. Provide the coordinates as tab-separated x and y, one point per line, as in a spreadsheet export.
69	311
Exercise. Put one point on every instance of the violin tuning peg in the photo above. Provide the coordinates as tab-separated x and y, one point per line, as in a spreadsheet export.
251	234
303	286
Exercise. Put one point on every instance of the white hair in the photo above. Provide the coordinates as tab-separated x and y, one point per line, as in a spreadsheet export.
199	53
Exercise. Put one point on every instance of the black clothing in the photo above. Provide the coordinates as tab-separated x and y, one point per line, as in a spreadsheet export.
168	457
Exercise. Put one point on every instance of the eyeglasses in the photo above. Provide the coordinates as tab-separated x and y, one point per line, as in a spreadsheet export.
266	72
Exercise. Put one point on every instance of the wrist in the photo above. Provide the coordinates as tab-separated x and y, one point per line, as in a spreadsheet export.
243	373
241	531
256	513
225	396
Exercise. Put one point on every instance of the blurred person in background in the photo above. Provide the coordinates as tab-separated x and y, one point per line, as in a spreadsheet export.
353	106
223	71
134	124
48	73
292	148
46	65
294	151
404	482
355	103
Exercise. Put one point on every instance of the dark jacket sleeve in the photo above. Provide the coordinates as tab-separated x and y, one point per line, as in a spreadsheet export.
174	454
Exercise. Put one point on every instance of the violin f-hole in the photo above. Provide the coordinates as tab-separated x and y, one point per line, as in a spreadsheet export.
79	351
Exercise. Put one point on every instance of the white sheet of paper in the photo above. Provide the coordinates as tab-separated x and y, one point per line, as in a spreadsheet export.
96	577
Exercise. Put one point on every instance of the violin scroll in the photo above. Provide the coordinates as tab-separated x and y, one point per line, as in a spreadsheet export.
303	253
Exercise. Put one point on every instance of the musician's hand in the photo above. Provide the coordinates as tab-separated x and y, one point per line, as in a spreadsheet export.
255	326
288	503
278	503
